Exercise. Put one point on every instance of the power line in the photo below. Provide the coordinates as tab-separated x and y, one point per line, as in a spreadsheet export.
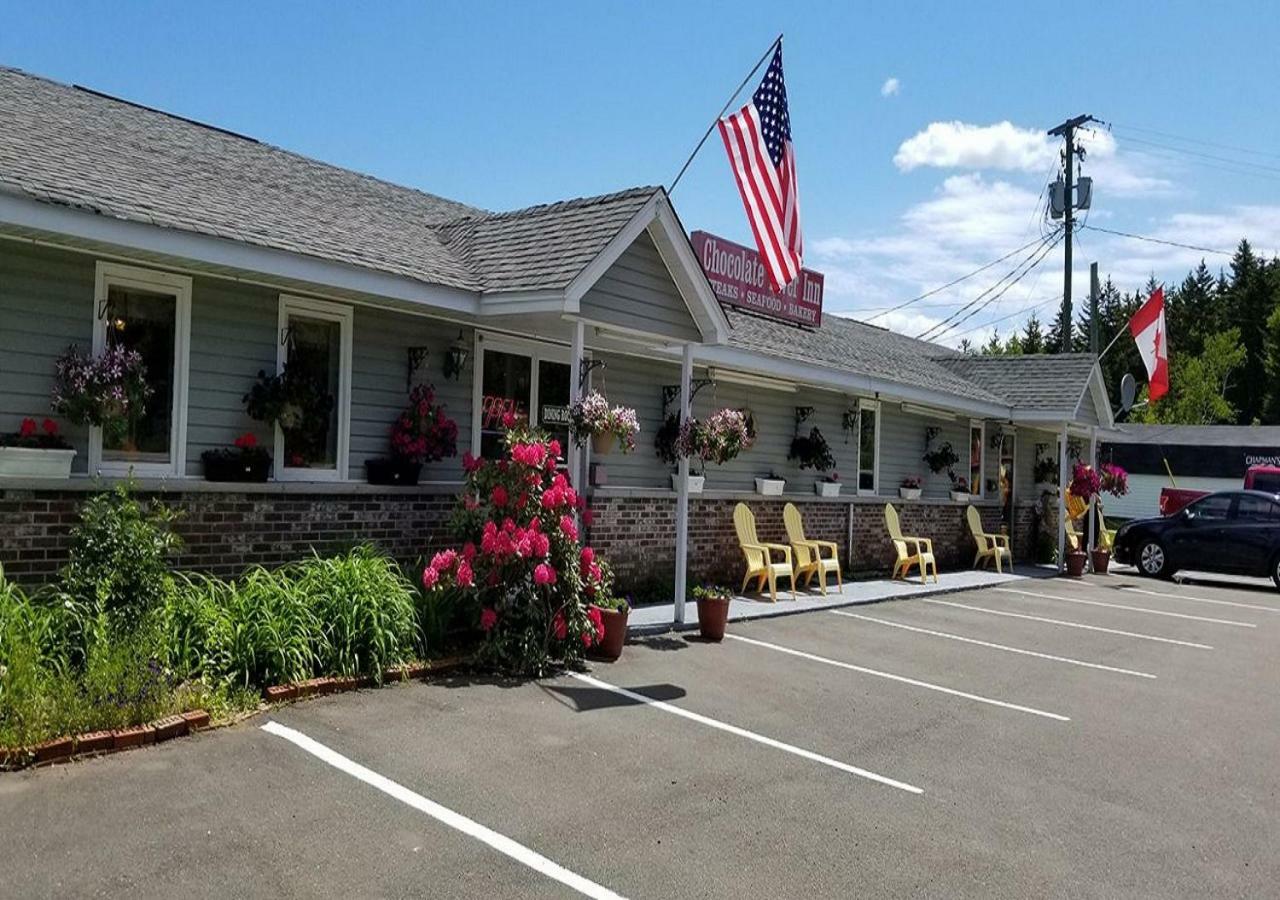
999	281
1210	156
950	284
1200	141
1005	318
1035	262
1152	240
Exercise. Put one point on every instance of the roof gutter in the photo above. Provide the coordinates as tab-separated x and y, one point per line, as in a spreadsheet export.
21	211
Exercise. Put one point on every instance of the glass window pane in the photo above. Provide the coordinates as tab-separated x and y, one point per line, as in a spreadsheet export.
1255	509
867	449
1007	444
144	321
1212	507
315	359
505	387
553	402
975	459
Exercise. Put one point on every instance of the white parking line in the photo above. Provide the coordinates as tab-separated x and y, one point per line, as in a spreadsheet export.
969	640
499	842
1137	590
744	733
1014	615
901	678
1140	609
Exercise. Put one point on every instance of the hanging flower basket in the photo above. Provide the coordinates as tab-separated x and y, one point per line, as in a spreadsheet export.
602	444
593	418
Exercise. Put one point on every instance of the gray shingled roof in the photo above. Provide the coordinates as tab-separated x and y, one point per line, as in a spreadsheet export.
541	247
1197	435
73	147
851	346
1035	382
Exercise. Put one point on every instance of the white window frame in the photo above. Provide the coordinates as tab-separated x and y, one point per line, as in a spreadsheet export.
874	406
343	315
537	351
981	490
106	276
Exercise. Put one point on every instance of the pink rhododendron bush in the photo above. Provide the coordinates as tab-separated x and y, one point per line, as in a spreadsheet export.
521	561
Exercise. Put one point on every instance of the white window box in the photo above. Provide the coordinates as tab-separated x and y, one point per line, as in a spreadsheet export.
696	483
34	462
909	493
826	488
770	487
960	496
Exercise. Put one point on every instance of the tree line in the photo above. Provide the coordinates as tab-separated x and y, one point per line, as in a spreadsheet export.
1223	343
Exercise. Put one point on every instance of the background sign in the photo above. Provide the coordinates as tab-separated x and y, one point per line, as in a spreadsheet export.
738	278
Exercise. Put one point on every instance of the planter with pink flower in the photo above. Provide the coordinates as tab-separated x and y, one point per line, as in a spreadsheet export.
423	433
108	391
520	566
718	440
606	426
613	612
35	451
1088	483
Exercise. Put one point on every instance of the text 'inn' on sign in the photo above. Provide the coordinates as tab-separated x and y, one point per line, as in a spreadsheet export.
738	278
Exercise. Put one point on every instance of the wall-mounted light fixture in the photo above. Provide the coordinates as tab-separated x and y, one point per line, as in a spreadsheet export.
455	358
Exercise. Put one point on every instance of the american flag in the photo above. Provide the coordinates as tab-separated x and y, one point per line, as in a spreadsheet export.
758	140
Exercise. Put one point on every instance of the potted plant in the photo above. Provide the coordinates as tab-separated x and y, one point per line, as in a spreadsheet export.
959	487
420	434
613	613
811	451
939	459
828	485
107	391
245	462
718	440
33	452
666	443
593	418
910	488
771	485
713	610
294	400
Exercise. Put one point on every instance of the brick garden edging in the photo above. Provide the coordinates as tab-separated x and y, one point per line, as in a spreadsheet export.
337	684
98	743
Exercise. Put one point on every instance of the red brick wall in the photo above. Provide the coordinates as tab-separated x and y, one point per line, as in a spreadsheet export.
223	533
637	534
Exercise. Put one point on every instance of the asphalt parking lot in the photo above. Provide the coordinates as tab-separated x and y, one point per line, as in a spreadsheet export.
1103	738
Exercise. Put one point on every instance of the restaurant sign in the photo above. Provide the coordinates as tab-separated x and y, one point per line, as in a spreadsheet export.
739	280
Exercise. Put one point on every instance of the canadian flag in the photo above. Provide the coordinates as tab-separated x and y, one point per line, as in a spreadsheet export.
1147	328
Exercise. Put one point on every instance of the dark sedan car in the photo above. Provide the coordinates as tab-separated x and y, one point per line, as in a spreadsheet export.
1237	532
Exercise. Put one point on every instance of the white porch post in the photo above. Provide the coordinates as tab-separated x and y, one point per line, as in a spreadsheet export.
682	491
1092	526
1063	481
575	452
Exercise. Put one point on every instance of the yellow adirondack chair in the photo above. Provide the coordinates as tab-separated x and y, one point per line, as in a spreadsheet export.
990	546
808	554
923	555
760	564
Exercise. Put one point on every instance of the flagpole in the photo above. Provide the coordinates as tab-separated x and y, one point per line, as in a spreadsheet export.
1119	333
728	103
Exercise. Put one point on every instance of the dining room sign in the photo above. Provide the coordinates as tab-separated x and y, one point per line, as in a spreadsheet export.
739	280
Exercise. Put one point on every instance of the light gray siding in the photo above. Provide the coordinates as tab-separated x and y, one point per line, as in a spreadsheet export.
380	346
46	304
637	293
233	336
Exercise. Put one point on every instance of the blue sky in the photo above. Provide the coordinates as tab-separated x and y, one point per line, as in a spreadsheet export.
504	105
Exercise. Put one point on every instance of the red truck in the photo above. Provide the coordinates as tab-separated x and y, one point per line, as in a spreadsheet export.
1258	478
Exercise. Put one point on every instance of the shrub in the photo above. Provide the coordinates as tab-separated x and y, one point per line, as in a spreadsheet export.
117	564
522	568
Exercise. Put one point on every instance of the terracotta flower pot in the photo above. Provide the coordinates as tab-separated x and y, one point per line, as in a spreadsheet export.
602	444
1101	559
1075	563
615	635
713	614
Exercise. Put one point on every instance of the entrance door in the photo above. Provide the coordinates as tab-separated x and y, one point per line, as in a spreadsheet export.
520	378
1008	458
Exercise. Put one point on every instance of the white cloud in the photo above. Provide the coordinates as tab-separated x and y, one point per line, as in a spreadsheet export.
1002	146
890	87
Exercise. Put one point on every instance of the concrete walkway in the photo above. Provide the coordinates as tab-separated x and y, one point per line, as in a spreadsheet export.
660	617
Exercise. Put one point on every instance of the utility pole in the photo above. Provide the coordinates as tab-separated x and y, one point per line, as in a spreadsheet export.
1067	131
1093	308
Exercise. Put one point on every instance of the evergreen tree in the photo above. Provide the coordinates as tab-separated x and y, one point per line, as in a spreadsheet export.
993	347
1013	346
966	347
1032	337
1271	341
1247	305
1191	310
